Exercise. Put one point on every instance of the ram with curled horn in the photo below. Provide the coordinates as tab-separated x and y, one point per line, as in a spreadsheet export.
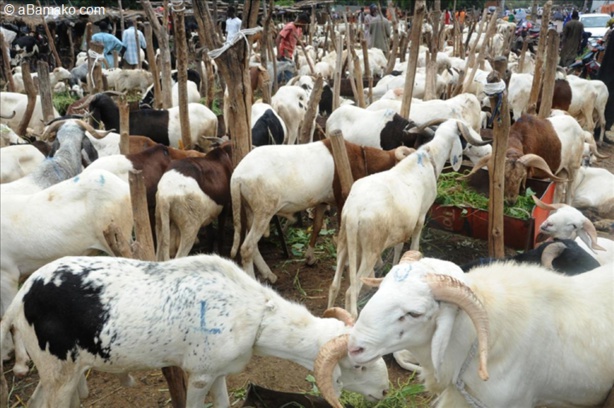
54	125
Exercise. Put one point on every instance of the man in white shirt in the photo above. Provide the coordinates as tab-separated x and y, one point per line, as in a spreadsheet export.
233	24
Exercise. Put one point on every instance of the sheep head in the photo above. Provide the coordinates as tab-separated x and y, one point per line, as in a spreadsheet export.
415	308
567	222
334	371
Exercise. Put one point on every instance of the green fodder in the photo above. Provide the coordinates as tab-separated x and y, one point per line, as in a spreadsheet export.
454	192
61	101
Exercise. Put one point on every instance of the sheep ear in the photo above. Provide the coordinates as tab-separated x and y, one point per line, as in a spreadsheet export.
456	155
441	337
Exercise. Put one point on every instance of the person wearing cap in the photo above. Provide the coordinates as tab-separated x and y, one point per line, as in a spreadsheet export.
286	42
379	31
111	43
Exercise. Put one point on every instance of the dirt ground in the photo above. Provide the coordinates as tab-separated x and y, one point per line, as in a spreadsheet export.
298	282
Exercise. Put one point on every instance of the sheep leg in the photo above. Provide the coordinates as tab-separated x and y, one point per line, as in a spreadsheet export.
415	237
9	279
198	388
367	264
333	291
398	248
187	236
406	360
250	252
219	393
318	218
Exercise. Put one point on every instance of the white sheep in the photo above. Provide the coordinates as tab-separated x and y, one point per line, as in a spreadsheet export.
8	137
18	161
291	103
16	102
388	208
503	335
594	188
201	313
56	76
67	218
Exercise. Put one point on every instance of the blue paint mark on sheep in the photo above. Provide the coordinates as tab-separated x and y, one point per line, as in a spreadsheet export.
401	272
76	179
203	323
102	180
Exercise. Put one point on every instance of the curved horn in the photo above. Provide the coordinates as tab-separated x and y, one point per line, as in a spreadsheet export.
551	252
588	226
339	313
410	256
328	357
63	118
533	160
466	132
433	122
402	152
481	163
593	149
86	102
95	133
52	129
449	289
8	117
546	206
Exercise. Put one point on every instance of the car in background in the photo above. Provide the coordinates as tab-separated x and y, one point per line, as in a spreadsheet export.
595	24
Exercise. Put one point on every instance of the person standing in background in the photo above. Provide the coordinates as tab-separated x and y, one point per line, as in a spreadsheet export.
111	43
571	40
233	24
131	56
286	42
379	31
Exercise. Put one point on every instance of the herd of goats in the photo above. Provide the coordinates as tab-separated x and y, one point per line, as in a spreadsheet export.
531	330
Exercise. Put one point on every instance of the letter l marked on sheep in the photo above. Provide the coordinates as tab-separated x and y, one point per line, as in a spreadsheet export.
203	323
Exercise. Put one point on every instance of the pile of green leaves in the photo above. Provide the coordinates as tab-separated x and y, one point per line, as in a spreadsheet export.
61	102
457	193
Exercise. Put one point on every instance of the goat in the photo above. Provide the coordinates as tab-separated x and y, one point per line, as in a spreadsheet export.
67	218
563	255
569	223
388	208
534	327
127	79
162	126
191	194
56	76
63	162
552	146
217	315
267	126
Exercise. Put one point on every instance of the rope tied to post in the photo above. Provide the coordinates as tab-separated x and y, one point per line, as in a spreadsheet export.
97	57
177	6
242	34
495	89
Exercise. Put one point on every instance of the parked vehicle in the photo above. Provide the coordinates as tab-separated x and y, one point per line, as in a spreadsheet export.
596	24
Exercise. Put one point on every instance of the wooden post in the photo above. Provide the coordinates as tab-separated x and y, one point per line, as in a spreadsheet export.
115	59
501	126
31	92
523	53
138	44
71	46
311	69
181	48
403	46
6	63
121	16
394	47
342	163
357	74
44	89
51	39
124	126
368	74
306	131
337	74
539	60
153	66
349	41
470	60
410	74
165	53
549	73
210	80
97	85
431	64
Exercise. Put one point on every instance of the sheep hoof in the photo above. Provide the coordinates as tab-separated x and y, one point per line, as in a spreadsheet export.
126	380
272	278
310	260
20	370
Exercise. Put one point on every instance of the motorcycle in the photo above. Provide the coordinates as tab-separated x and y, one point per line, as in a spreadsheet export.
526	32
587	66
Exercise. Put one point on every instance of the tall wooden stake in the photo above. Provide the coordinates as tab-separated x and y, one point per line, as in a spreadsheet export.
181	48
124	126
431	65
539	60
51	42
549	73
31	92
412	61
306	130
342	163
368	74
337	74
496	166
153	66
44	89
165	53
6	63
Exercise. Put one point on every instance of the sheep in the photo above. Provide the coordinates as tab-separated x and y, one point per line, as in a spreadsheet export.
569	223
16	102
534	328
291	103
191	194
593	188
267	126
388	208
56	76
162	126
18	161
553	145
63	163
217	317
193	85
8	137
563	255
125	80
67	218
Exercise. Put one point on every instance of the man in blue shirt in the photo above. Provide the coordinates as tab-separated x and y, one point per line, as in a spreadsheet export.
131	58
110	42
